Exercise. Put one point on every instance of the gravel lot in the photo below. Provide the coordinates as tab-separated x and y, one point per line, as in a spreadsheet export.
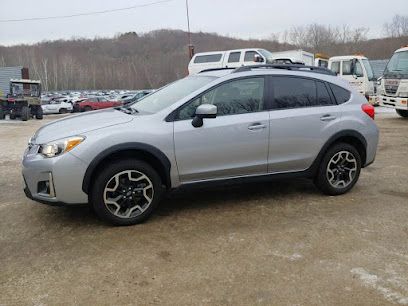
276	243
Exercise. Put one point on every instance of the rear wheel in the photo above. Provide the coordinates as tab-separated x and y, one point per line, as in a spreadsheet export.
402	113
126	192
339	170
63	111
87	108
25	113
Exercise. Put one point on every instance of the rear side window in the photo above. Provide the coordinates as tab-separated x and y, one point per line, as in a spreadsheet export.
342	95
234	57
292	92
323	96
208	58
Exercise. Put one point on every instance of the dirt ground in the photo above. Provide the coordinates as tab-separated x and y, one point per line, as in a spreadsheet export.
276	243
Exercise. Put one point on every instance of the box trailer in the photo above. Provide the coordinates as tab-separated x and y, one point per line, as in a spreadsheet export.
9	73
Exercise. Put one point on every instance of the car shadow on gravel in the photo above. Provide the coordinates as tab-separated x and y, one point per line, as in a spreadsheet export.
196	197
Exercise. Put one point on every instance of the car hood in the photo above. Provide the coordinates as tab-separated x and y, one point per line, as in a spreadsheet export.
80	124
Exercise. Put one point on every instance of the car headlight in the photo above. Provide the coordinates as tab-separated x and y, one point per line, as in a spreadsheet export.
61	146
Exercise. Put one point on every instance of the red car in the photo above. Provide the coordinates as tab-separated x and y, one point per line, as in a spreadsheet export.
95	103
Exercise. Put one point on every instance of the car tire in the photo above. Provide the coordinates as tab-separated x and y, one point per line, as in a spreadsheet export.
402	113
135	199
39	114
87	108
12	116
25	113
63	111
2	113
339	169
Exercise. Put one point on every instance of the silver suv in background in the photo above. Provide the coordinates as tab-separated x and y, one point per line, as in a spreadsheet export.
254	121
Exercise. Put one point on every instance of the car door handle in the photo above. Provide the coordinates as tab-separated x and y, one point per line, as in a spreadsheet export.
327	117
256	126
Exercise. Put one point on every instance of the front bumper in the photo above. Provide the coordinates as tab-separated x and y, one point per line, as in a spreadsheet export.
394	102
54	181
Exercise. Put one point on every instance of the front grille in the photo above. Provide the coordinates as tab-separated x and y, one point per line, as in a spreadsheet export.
391	90
391	86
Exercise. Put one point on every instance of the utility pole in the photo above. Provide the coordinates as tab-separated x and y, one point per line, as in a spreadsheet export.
190	44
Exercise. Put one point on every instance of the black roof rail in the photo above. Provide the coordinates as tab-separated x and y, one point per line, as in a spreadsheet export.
293	67
216	69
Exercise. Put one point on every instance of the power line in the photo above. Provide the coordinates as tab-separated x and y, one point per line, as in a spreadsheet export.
87	14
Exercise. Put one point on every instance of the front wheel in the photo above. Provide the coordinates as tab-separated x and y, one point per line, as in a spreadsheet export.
126	192
402	113
339	169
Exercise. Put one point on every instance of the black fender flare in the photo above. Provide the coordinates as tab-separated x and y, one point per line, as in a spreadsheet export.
333	139
137	146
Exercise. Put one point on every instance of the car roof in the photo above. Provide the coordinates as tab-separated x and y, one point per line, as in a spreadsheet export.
347	57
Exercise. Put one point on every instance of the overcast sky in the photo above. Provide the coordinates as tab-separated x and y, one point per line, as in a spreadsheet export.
237	18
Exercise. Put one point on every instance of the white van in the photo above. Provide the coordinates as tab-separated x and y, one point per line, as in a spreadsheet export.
355	69
228	59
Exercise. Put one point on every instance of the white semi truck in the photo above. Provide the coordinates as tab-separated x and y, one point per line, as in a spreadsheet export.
393	86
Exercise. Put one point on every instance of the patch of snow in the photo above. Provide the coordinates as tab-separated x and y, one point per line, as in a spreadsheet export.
375	282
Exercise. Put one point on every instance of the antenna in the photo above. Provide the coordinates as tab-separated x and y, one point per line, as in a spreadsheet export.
190	44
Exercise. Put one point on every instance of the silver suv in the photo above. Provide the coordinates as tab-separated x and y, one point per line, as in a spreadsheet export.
255	121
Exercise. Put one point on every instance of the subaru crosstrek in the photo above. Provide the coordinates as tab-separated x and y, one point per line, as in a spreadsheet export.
255	121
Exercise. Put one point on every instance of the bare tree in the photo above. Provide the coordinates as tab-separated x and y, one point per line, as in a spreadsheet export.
398	26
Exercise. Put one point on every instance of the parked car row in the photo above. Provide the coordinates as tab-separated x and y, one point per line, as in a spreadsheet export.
65	102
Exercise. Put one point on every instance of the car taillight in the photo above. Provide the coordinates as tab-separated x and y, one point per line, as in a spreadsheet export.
369	110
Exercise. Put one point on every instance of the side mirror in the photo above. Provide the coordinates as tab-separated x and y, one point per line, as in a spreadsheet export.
379	80
258	58
204	111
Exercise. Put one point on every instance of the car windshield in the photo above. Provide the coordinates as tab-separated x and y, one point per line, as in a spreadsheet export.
171	93
398	64
369	70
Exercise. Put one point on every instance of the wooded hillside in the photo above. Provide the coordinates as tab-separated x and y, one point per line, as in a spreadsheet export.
149	60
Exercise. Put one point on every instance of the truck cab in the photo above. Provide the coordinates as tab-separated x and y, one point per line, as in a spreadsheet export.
355	69
321	60
393	86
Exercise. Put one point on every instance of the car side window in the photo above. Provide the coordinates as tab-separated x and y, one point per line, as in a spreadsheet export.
323	96
208	58
250	56
359	70
234	57
335	67
342	95
235	97
346	68
293	92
